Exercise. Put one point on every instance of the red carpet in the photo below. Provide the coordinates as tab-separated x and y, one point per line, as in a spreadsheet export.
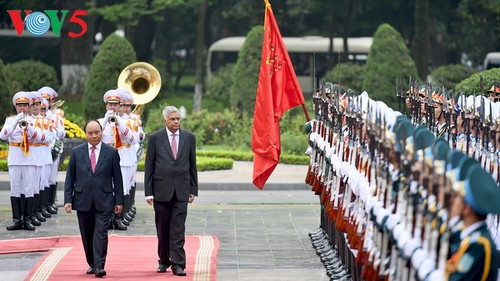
129	258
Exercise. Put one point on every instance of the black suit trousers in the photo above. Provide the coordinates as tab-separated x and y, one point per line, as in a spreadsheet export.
94	232
170	220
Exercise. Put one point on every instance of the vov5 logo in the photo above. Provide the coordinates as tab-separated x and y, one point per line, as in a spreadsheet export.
38	23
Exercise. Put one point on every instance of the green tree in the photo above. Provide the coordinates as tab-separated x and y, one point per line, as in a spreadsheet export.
472	85
349	75
114	55
450	75
30	75
246	71
478	28
388	59
5	95
221	84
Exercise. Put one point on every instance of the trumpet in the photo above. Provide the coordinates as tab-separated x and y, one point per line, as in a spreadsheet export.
23	123
112	118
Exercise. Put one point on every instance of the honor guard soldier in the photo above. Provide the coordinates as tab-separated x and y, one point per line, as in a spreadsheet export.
493	93
438	100
134	122
19	131
43	157
473	253
117	134
56	117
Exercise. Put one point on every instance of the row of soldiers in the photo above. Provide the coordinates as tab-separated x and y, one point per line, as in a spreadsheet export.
409	194
35	137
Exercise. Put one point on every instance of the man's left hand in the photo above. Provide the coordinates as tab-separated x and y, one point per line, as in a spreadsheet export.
118	209
191	198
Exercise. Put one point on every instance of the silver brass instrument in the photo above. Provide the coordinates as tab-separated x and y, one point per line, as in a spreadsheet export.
23	123
112	118
142	81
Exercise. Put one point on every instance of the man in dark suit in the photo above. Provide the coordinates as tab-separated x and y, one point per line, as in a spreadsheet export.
171	182
94	188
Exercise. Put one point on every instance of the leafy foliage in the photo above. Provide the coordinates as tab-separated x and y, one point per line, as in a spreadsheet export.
231	129
388	59
129	11
114	55
450	75
472	85
5	95
30	75
349	75
155	118
220	85
246	72
478	24
226	127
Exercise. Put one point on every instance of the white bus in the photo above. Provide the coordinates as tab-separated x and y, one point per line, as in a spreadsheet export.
307	53
491	60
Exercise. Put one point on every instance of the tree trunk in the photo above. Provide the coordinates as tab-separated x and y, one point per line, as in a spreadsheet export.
200	56
346	30
76	53
142	36
421	40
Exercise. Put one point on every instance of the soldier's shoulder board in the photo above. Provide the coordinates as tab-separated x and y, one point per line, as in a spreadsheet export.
465	263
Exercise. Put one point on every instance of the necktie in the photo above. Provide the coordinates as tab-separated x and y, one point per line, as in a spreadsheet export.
174	146
92	158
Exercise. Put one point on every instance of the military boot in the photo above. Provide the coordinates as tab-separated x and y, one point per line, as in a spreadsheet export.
17	223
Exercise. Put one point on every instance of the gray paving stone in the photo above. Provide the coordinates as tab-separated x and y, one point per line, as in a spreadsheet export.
262	234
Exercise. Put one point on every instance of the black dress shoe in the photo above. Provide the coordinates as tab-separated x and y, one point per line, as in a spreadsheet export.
100	273
46	213
28	225
91	270
52	210
40	217
161	268
127	217
16	225
131	214
178	271
35	221
118	225
125	222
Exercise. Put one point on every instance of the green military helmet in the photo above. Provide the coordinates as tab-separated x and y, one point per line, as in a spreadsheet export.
329	88
403	129
464	166
454	158
480	191
423	138
494	88
440	149
339	89
308	127
437	95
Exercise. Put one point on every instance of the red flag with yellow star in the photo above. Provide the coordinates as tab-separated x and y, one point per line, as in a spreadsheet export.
278	90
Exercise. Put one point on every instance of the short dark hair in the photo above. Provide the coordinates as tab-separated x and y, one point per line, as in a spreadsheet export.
93	120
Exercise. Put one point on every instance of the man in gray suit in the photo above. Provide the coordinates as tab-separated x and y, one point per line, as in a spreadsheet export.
94	188
171	182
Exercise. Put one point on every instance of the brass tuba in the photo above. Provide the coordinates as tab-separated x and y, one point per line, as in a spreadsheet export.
142	81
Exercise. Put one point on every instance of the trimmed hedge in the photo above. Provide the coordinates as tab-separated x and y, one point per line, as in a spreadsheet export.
203	164
248	156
